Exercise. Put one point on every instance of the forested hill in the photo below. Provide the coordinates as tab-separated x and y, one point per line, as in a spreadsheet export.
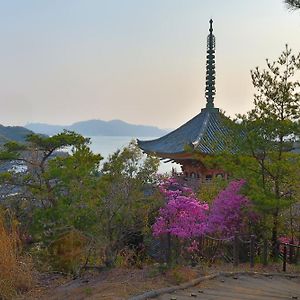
99	127
13	133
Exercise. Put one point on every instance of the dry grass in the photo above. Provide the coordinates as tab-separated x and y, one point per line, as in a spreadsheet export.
16	271
181	274
115	284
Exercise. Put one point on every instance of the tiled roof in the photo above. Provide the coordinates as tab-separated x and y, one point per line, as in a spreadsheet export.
205	132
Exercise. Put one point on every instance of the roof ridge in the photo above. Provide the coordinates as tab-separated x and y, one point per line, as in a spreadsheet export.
203	128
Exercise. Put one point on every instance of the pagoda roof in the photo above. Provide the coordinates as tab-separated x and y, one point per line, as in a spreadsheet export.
205	133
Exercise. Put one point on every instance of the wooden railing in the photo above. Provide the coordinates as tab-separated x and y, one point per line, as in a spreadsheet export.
288	253
235	249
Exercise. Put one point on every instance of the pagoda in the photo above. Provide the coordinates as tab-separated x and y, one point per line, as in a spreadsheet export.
201	136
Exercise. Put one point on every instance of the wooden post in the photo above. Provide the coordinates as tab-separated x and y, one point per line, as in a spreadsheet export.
265	252
236	250
291	252
276	250
169	251
252	240
284	258
297	254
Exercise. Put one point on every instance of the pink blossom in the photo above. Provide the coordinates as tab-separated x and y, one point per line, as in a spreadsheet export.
183	216
194	247
186	217
231	211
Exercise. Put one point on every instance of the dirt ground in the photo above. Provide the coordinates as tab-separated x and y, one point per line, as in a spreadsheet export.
246	287
122	283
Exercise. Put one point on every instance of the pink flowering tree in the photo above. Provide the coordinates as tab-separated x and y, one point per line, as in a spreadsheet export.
230	211
183	216
187	219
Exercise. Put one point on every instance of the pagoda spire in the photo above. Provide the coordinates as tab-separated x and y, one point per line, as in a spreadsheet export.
210	89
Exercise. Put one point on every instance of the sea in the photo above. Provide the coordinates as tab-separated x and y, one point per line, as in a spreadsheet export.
106	145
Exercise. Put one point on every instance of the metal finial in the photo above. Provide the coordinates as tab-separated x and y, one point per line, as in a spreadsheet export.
211	25
210	89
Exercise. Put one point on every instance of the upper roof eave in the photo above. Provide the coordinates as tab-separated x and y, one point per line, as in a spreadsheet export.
200	133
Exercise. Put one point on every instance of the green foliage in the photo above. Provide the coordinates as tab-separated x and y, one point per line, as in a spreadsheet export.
59	190
262	139
129	202
76	193
11	151
36	181
208	192
65	192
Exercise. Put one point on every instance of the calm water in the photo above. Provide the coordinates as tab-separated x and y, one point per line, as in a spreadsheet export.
106	145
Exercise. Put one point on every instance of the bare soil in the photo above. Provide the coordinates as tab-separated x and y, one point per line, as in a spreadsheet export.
122	283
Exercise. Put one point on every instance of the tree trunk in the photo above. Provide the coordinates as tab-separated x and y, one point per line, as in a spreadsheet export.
275	232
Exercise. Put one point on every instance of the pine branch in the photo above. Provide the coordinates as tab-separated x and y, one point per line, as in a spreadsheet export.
293	4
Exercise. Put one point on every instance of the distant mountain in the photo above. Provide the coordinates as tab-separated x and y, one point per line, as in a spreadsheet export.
99	127
45	128
13	133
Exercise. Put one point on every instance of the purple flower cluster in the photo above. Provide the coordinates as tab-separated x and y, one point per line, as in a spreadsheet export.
230	211
185	216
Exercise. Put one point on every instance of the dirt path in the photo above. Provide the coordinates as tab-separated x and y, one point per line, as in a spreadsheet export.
122	283
243	287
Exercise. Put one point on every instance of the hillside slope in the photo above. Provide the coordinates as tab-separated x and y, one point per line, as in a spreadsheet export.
13	133
99	128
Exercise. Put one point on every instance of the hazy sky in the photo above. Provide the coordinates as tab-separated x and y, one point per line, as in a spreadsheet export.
142	61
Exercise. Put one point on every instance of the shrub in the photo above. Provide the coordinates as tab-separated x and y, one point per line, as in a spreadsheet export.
183	216
231	211
69	252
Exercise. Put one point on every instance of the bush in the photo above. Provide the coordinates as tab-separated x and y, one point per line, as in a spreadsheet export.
69	252
16	270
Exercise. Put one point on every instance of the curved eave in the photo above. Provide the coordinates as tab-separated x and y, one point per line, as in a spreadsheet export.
204	133
176	157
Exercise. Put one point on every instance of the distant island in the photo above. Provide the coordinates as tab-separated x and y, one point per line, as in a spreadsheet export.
99	128
13	133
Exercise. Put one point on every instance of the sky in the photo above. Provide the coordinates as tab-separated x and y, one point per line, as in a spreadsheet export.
142	61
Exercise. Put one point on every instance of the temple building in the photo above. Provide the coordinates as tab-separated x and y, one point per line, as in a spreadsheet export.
201	136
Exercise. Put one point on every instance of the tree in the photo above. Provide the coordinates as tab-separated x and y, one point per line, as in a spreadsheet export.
183	216
293	4
129	200
51	182
75	189
274	126
32	158
55	195
73	203
231	211
262	139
